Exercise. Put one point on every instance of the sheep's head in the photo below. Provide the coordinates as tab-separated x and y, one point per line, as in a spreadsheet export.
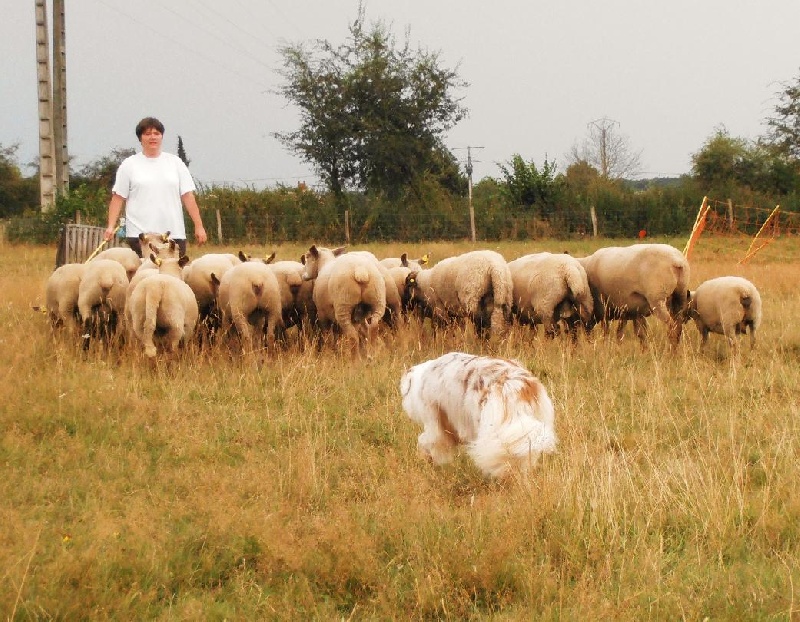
311	262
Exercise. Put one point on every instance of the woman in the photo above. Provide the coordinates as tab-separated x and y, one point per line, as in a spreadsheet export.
152	185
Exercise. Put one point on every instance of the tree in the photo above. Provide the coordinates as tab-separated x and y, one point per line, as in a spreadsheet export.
526	186
726	163
99	174
372	113
182	152
607	151
785	125
17	193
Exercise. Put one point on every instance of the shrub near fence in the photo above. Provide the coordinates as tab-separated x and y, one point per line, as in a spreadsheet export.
236	216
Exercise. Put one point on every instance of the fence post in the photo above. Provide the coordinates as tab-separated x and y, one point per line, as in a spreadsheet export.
219	227
730	215
593	214
347	226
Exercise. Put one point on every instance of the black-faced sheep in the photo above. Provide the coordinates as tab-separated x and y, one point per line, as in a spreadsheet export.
726	305
250	300
633	282
162	307
474	286
349	293
549	288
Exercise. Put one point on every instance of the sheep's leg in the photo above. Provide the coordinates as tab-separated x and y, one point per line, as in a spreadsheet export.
88	327
623	322
148	332
640	329
674	326
271	329
497	321
173	337
244	329
730	333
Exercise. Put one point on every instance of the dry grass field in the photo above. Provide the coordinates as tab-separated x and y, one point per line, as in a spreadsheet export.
211	487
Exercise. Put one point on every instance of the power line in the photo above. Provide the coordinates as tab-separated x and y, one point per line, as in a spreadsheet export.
149	28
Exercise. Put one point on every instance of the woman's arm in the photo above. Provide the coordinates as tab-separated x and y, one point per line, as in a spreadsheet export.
190	203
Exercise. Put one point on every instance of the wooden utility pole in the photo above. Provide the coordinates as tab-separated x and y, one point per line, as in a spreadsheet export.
46	144
60	97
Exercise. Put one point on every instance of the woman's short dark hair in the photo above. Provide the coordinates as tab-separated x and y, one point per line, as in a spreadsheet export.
146	124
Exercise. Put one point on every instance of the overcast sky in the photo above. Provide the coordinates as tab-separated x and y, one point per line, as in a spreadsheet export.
668	73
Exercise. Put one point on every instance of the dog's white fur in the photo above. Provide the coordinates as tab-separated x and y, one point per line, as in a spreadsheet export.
494	407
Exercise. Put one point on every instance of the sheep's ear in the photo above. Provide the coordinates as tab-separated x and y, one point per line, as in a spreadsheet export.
183	260
404	260
303	259
172	245
214	279
270	259
141	237
411	279
423	261
155	259
339	251
165	237
153	247
313	251
243	257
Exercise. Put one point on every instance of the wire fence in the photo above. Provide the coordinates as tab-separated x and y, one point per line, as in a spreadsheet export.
364	223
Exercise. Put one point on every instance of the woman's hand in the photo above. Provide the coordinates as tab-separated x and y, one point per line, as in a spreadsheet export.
200	235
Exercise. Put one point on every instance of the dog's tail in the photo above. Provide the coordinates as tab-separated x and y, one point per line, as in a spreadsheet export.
516	428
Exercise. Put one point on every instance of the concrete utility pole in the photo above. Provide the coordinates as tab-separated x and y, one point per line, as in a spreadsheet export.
60	97
46	143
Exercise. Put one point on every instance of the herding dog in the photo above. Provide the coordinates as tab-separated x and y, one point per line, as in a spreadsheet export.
494	407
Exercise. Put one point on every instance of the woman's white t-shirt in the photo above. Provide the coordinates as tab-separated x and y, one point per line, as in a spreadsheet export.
152	189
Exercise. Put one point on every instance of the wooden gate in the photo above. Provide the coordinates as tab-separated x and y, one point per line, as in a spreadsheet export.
77	243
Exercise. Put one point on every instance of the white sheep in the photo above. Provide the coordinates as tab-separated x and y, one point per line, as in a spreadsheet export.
203	275
474	286
101	298
549	288
61	296
399	274
172	266
726	305
250	300
162	307
633	282
349	293
126	256
393	300
297	295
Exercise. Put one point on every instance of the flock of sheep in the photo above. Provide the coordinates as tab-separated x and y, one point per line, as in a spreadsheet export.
164	299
